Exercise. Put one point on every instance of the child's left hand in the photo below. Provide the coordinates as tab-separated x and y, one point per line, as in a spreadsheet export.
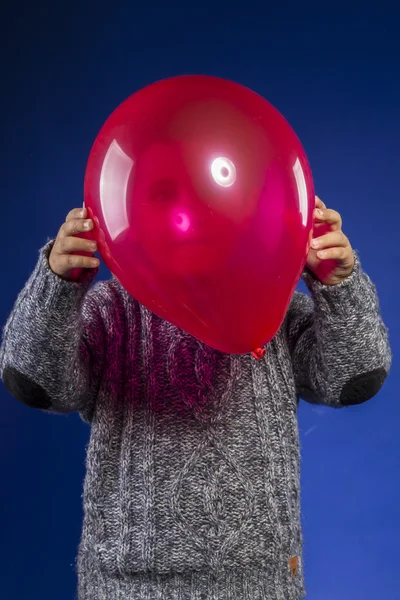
331	256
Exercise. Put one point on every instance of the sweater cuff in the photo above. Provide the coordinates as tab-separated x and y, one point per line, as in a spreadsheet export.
51	287
350	289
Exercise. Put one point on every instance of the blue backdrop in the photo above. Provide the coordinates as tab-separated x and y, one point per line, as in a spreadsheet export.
334	74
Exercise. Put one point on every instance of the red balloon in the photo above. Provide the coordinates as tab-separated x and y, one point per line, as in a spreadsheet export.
203	199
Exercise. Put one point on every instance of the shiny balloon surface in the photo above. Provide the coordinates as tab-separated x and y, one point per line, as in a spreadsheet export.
202	198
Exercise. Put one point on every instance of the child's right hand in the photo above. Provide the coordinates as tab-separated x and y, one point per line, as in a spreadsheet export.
70	255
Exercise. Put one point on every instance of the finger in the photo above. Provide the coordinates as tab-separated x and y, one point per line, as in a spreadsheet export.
77	213
337	253
319	203
74	244
75	261
330	240
74	226
329	216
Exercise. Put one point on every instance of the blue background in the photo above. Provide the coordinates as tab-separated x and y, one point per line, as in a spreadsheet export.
334	74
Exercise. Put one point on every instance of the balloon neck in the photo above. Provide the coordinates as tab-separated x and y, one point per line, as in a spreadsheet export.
259	353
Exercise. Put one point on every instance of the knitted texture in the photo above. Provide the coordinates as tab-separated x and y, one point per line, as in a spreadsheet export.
192	482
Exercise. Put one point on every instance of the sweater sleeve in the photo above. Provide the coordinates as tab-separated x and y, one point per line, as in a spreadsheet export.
338	342
53	342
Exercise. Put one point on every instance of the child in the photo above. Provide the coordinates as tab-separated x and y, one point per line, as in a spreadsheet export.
192	483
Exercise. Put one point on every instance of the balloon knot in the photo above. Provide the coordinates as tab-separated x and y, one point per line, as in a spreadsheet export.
259	353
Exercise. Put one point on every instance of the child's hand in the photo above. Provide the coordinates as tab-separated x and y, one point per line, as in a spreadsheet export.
61	260
331	256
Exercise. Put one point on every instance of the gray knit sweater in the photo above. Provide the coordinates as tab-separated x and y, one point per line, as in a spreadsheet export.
192	483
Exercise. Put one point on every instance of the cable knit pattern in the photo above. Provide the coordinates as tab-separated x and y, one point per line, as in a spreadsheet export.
192	482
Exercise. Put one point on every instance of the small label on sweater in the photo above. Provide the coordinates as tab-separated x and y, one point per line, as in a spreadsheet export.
294	565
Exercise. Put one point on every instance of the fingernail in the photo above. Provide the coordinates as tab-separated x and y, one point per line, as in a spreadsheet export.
95	262
82	213
86	224
319	212
93	246
315	243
